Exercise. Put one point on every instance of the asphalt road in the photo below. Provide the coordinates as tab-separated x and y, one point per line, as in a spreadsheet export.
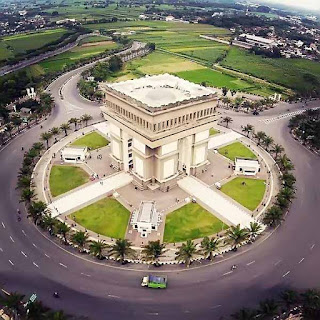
31	263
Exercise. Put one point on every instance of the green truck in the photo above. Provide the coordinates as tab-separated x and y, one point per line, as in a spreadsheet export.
158	282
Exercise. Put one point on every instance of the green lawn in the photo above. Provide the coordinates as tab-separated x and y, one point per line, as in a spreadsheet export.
91	140
66	178
107	217
191	222
236	149
213	131
249	194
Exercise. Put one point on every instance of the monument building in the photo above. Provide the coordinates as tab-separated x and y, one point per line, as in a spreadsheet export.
159	128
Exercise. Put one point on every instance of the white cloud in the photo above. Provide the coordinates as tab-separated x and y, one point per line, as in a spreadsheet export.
307	4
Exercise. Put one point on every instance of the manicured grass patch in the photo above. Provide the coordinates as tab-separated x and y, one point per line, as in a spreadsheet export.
213	131
191	222
91	140
65	178
107	217
246	191
236	149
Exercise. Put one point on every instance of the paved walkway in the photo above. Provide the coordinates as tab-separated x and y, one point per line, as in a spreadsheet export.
224	209
223	139
89	194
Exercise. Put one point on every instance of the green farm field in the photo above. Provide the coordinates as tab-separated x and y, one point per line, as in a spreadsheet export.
10	46
65	59
298	74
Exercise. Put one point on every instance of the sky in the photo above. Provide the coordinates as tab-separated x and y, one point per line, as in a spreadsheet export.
307	4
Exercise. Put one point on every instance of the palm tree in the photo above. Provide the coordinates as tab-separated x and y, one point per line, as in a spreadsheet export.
45	136
311	304
55	131
16	121
8	128
49	222
96	248
153	251
289	297
25	171
227	120
267	141
186	252
248	129
27	195
273	216
260	135
277	150
85	118
24	182
65	127
268	308
63	229
57	315
122	250
287	193
209	246
236	235
38	146
80	239
226	101
36	310
285	163
75	122
37	210
254	229
12	304
245	314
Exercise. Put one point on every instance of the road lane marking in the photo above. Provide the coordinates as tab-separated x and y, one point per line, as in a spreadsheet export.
11	262
312	246
3	225
35	245
113	296
35	265
250	263
84	274
24	232
216	307
24	254
301	260
153	313
227	273
284	275
1	249
47	256
11	239
277	262
63	265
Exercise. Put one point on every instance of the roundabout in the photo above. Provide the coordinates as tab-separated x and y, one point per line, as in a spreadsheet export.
30	263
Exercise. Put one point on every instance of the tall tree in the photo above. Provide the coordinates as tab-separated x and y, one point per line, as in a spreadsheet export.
245	314
209	246
63	229
227	120
85	118
45	136
254	229
80	239
97	247
122	250
248	129
268	307
260	135
75	122
277	150
236	235
27	195
186	252
65	127
267	141
153	251
12	304
273	216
